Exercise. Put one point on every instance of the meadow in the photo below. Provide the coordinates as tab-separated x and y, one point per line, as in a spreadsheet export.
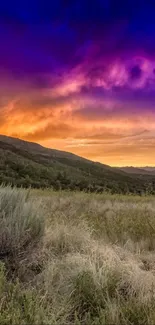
75	258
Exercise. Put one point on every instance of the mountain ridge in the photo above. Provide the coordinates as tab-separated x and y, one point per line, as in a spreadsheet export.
24	163
138	170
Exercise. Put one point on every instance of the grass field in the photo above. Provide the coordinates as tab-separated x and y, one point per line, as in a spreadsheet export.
75	258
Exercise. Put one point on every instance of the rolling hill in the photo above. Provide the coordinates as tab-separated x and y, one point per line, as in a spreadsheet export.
27	164
138	170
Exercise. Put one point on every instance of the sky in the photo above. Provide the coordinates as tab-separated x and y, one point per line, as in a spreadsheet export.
79	76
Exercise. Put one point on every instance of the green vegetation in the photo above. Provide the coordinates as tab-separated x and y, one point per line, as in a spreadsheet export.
31	165
76	258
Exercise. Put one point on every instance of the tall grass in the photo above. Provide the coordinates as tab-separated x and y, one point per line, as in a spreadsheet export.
21	224
75	258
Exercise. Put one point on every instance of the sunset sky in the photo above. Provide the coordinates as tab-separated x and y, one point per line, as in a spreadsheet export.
79	76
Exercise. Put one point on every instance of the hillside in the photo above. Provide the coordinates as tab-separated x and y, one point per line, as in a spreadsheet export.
149	169
138	170
27	164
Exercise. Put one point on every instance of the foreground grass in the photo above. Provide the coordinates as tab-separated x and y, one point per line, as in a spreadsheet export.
75	258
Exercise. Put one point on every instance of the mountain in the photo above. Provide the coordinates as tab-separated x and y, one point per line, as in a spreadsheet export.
27	164
138	170
148	169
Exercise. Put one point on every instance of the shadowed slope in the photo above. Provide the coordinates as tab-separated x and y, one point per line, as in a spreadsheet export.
29	164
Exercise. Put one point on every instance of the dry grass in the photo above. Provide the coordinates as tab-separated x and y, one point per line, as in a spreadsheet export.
75	258
20	221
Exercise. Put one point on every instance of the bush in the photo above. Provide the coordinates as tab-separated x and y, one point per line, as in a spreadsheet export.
21	224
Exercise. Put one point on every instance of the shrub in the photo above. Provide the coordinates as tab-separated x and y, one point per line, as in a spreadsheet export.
21	224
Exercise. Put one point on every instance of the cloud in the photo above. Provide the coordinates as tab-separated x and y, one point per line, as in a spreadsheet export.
135	72
51	131
80	75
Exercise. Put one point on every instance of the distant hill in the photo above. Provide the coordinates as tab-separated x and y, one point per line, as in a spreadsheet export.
27	164
148	169
138	170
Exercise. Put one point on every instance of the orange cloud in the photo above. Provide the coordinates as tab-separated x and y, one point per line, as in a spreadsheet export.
101	130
